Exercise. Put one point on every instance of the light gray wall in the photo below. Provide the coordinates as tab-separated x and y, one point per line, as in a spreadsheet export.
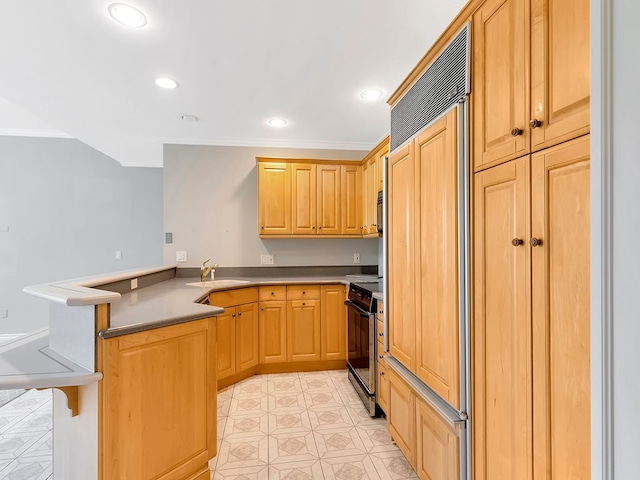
210	198
615	257
626	232
69	208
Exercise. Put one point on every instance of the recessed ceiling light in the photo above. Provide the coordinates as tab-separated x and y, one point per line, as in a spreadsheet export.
164	82
277	122
190	118
127	15
371	94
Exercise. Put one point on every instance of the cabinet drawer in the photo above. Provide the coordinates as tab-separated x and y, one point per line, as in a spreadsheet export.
302	292
229	298
380	310
276	292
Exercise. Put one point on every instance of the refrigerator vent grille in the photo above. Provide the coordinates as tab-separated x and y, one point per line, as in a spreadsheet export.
442	85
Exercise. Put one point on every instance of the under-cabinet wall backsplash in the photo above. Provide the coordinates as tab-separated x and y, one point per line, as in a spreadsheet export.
210	207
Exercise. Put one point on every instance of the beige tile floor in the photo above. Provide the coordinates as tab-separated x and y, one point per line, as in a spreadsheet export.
302	426
26	438
287	426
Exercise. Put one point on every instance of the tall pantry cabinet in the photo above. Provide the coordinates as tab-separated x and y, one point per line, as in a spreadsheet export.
531	357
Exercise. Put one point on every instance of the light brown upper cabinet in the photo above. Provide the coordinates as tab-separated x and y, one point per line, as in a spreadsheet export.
351	199
371	185
303	198
329	199
531	321
530	76
274	198
322	198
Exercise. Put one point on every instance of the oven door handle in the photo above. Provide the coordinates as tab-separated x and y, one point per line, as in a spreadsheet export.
361	311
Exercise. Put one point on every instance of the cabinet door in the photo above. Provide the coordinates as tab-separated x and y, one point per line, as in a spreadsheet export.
273	331
303	330
380	159
246	336
437	445
404	175
366	194
560	64
561	303
226	336
329	200
402	416
303	198
351	199
274	198
383	385
501	81
438	330
146	375
502	429
372	197
333	321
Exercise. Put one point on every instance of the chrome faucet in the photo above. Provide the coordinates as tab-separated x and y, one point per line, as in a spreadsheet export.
204	271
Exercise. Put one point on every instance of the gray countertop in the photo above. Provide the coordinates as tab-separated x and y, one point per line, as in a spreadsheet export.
173	301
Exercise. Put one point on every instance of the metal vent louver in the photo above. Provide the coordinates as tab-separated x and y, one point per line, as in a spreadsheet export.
442	85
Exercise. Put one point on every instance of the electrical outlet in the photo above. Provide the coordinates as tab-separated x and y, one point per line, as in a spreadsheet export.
134	283
181	256
266	259
118	254
4	313
356	258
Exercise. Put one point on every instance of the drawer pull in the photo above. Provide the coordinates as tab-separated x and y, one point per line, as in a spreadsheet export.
516	132
381	334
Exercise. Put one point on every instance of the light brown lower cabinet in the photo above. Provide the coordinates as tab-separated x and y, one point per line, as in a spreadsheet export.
237	330
333	318
303	330
383	385
273	331
401	416
430	442
437	445
159	403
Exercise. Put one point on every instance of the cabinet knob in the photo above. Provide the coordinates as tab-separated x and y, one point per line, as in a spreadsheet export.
381	334
240	314
535	123
381	373
381	357
516	241
262	227
516	131
304	292
362	228
273	293
234	315
303	304
262	309
534	242
374	224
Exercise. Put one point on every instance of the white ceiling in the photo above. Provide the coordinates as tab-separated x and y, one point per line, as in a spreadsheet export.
67	69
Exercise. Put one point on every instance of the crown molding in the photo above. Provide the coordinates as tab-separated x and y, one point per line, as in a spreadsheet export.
33	132
270	142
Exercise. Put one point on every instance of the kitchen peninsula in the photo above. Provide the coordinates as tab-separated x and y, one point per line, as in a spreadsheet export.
138	355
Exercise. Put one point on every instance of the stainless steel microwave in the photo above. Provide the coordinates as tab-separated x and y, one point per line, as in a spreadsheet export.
379	218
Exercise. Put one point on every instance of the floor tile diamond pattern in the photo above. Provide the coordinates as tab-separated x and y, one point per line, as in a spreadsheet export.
317	428
294	426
